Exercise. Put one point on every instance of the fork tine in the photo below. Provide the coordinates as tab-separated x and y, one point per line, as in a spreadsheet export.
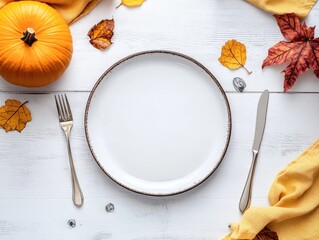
58	107
66	110
63	115
68	107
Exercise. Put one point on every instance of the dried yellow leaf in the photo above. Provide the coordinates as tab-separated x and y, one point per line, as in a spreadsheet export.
233	55
14	115
131	3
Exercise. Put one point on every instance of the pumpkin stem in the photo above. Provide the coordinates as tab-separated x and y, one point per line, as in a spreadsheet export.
29	37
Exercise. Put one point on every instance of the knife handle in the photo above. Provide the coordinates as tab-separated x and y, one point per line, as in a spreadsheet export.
244	202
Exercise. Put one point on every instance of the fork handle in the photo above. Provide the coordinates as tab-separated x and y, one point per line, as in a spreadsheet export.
244	202
77	195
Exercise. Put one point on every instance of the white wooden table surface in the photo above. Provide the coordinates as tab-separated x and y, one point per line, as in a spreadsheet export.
35	186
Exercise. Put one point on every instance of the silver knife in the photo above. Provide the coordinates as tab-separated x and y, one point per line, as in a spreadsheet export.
259	132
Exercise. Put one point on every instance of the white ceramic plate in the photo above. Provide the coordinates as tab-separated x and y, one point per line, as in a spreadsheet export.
158	123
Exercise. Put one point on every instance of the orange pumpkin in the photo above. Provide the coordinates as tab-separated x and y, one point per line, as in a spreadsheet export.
35	44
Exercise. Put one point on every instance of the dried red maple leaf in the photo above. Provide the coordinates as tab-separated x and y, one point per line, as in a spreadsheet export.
266	234
302	50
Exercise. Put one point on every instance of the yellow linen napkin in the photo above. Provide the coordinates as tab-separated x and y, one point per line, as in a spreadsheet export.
71	10
299	7
294	200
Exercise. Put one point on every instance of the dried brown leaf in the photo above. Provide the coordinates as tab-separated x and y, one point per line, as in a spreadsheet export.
101	34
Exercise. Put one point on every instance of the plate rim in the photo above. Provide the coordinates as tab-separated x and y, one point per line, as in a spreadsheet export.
222	91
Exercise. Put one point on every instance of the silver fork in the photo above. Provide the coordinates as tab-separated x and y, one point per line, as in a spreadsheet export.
66	122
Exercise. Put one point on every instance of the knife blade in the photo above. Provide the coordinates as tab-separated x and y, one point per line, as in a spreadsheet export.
244	202
261	119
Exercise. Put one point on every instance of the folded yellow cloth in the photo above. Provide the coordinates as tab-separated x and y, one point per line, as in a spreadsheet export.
71	10
294	200
299	7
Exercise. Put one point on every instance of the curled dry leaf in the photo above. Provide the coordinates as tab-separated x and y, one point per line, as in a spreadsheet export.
233	55
101	34
301	51
14	115
131	3
266	234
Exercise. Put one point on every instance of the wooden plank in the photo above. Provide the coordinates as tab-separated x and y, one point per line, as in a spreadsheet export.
195	29
35	187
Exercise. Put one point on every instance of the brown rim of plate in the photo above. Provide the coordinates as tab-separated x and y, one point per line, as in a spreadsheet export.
87	108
